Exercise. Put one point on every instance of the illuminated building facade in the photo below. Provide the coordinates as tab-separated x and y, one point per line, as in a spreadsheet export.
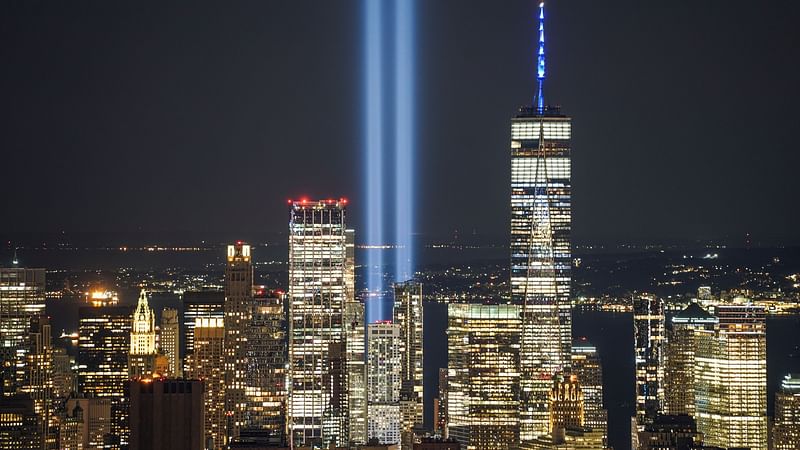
566	405
238	316
731	379
19	424
483	378
142	357
319	283
64	377
356	370
166	414
86	422
649	342
679	377
265	377
586	366
541	253
384	379
37	380
208	364
441	417
22	297
169	341
786	431
408	316
103	345
202	303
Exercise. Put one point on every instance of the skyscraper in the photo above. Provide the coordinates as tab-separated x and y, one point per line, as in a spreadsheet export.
166	414
86	423
356	370
202	303
541	255
103	345
22	297
319	283
208	364
731	379
142	356
483	377
786	431
384	375
169	341
265	378
407	314
19	423
37	380
649	340
679	380
238	315
586	366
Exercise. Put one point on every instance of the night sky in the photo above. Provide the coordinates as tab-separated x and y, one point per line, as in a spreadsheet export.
207	116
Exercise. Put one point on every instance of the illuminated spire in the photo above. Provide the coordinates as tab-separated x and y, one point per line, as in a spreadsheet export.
15	261
540	62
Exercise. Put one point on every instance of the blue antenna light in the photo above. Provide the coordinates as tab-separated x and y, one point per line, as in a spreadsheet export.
540	62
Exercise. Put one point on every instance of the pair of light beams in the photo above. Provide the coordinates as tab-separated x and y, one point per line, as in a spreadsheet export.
389	130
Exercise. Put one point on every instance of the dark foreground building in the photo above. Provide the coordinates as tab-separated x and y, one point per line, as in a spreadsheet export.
166	415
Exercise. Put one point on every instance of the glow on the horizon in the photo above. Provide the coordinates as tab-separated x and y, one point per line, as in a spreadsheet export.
373	142
404	138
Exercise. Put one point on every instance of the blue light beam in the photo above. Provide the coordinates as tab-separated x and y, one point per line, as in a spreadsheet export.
404	139
373	148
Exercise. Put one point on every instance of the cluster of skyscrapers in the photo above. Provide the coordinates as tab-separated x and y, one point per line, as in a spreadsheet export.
304	369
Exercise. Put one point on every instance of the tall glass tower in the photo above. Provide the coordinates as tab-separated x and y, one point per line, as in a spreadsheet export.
319	291
541	254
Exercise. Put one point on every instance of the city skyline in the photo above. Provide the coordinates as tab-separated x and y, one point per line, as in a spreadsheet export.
359	331
691	123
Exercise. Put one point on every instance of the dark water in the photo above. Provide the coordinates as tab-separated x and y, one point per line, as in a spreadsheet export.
612	334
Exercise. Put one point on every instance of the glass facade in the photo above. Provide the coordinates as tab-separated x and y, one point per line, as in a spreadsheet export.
483	350
541	255
731	379
22	297
319	286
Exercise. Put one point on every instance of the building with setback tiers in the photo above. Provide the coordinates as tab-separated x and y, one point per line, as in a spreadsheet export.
587	367
238	316
483	379
541	252
143	354
319	289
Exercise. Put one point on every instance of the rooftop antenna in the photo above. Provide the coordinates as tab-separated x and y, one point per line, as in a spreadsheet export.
15	261
540	63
